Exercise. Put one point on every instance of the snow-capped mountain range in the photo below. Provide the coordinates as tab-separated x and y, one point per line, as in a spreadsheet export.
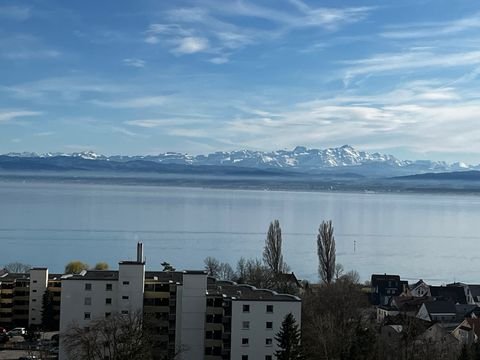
301	159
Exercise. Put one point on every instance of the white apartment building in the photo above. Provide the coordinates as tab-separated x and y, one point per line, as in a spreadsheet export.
208	319
256	317
255	322
97	294
38	286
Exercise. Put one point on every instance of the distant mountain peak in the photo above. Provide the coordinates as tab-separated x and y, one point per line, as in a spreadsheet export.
300	159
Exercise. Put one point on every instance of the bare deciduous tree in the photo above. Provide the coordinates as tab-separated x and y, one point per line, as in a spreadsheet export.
119	337
219	270
17	267
212	266
326	251
272	252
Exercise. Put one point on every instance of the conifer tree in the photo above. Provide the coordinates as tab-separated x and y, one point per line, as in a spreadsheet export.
48	320
289	341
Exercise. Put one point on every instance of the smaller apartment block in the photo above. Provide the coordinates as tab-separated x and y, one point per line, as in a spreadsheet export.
242	321
21	297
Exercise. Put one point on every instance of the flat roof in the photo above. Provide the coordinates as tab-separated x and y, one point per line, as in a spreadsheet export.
244	292
93	275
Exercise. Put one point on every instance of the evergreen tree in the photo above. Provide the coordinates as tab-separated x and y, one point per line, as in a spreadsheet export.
288	340
48	313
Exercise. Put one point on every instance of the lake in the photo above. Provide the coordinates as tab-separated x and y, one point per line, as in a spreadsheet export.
434	237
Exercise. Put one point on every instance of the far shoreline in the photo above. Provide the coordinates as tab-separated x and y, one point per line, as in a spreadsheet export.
372	187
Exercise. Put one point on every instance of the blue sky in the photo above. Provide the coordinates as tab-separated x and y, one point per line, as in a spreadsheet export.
143	77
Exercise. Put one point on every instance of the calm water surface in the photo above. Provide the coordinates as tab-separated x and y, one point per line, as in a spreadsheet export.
433	237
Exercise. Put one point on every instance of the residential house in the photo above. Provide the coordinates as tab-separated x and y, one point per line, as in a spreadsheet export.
455	294
441	311
384	287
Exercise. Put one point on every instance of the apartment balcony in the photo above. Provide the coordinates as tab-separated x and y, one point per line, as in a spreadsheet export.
156	295
154	309
215	310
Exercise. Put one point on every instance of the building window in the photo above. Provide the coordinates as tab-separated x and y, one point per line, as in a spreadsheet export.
33	319
269	308
88	301
245	324
269	325
124	312
245	341
126	283
244	357
268	342
108	301
108	287
86	316
34	300
268	357
34	281
246	308
124	297
107	314
34	290
88	287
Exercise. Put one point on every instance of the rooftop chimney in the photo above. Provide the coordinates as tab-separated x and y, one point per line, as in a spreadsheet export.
139	252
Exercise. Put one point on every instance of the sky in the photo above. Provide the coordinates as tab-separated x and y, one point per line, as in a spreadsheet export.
148	76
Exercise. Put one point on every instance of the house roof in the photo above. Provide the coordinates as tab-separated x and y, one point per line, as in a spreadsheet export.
463	309
417	284
475	324
384	277
456	294
289	278
474	290
409	303
441	307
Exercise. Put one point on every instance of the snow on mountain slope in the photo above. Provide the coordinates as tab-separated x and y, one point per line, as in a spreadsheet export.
300	159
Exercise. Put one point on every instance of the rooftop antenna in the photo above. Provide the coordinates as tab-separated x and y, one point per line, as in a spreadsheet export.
354	246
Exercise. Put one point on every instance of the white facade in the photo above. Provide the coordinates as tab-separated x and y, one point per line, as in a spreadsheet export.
98	294
255	324
131	285
38	286
191	310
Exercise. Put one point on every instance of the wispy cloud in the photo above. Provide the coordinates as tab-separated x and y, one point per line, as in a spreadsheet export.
68	88
14	12
44	133
9	115
25	47
123	131
210	29
433	29
25	54
133	103
392	62
154	123
134	62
